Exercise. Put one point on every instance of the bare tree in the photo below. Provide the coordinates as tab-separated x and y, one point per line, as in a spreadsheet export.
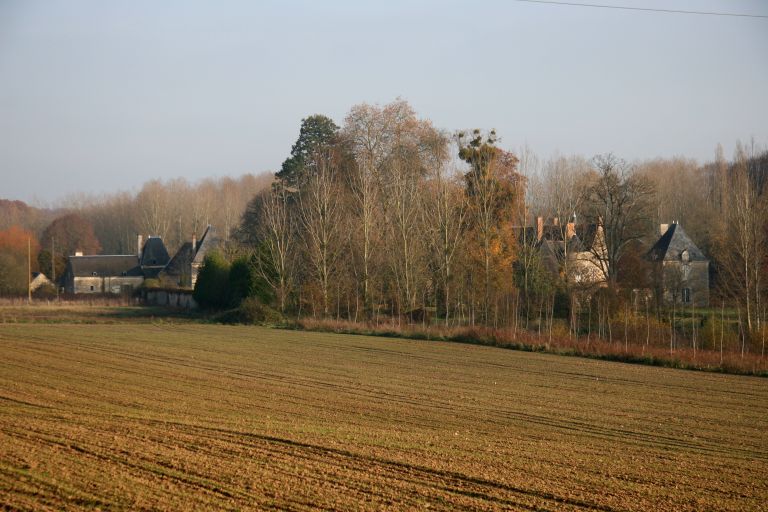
445	213
565	181
619	203
153	208
321	223
276	239
371	133
743	243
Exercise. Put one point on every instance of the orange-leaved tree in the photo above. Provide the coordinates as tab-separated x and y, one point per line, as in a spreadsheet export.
16	246
493	189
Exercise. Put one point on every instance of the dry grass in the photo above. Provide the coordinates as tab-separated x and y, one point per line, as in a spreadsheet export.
189	416
657	353
84	313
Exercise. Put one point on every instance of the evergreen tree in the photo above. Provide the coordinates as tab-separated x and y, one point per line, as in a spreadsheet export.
317	131
211	288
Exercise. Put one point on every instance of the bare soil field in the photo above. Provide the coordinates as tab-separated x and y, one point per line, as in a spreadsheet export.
184	416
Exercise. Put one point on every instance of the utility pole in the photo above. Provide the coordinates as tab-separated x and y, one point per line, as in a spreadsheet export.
29	270
53	267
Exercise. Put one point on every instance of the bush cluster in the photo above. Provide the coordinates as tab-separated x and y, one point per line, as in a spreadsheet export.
235	287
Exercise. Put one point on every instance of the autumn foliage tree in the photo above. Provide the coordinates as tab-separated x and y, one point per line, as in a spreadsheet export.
72	233
16	244
492	188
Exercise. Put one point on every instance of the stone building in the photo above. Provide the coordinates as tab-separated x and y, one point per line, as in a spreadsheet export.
183	268
115	273
680	269
572	252
124	273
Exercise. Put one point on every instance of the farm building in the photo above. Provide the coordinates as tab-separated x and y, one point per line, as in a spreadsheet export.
102	274
680	269
115	273
183	268
124	273
39	280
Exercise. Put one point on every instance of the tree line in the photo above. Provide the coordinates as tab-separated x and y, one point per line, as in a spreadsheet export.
387	218
108	224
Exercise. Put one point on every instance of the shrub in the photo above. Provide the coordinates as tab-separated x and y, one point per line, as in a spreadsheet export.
46	291
212	282
244	281
253	311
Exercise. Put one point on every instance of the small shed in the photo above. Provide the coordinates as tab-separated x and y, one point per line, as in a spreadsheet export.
38	280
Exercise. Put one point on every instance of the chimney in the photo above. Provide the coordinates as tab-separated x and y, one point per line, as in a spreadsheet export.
555	221
570	230
663	229
194	243
539	228
138	245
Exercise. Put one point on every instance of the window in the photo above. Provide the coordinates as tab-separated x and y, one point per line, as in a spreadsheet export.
91	287
686	295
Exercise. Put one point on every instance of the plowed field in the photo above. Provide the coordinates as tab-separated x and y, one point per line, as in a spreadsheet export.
180	417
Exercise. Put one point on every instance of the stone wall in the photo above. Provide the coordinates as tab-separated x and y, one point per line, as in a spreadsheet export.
693	276
124	285
181	299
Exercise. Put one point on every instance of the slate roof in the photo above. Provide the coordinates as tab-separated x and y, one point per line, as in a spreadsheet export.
672	244
105	265
582	241
208	241
179	264
154	253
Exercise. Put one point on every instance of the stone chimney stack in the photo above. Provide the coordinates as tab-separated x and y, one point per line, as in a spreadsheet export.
663	229
194	243
570	230
539	228
139	239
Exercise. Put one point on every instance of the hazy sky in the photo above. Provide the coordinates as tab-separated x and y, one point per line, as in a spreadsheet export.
101	96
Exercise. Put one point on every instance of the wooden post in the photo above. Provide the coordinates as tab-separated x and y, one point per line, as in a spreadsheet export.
29	270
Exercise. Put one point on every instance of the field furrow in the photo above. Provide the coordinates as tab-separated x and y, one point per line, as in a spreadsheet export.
170	417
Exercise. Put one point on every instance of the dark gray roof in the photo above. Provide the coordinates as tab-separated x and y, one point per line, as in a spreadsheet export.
671	245
586	234
111	266
208	242
154	253
179	264
583	240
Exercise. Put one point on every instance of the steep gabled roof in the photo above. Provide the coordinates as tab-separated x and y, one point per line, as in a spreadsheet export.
208	242
671	245
105	266
179	264
586	235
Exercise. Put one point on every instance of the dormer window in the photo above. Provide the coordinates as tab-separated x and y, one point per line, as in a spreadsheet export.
95	273
685	256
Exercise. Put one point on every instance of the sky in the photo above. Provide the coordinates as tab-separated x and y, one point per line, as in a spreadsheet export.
98	97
